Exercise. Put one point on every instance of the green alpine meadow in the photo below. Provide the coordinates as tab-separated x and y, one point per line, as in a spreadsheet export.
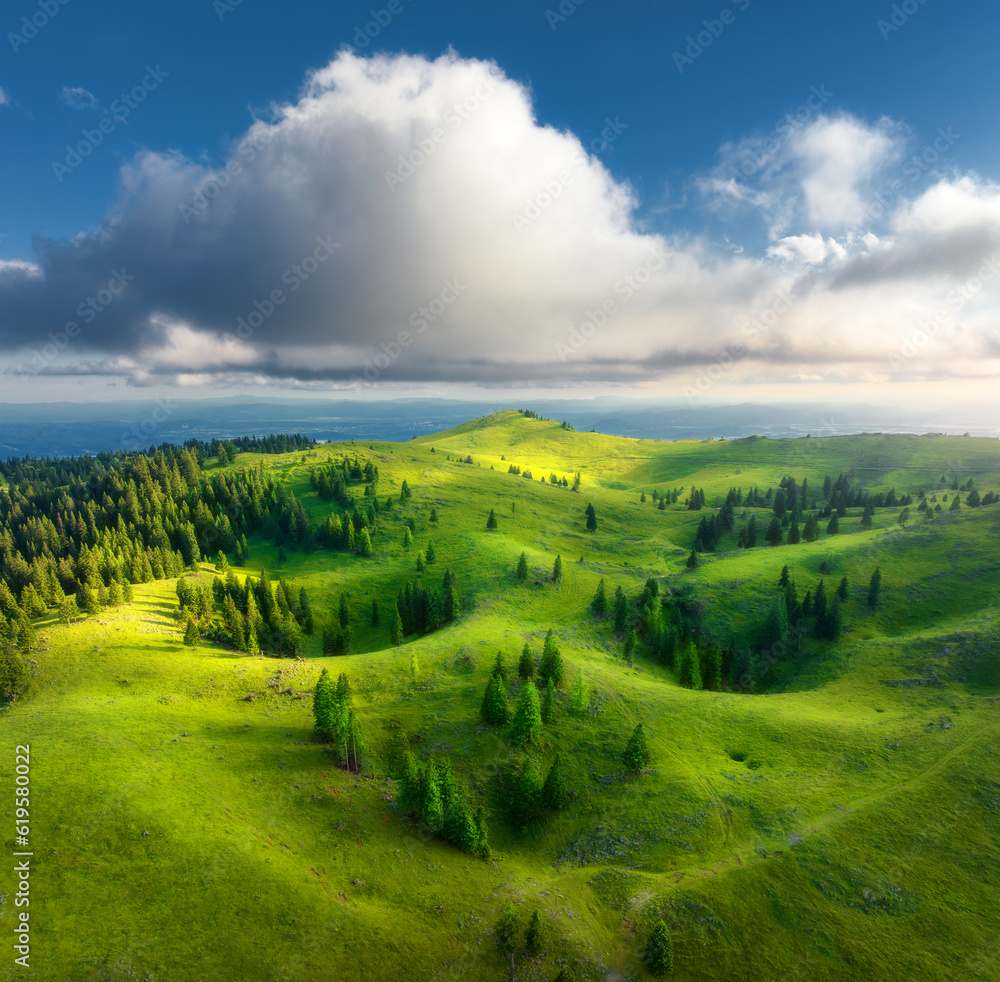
508	701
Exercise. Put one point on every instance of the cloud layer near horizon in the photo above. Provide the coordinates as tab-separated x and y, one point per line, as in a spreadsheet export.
399	194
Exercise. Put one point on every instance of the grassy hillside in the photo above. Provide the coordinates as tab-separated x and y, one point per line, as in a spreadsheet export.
833	827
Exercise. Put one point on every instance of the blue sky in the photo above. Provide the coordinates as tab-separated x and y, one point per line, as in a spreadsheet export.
699	164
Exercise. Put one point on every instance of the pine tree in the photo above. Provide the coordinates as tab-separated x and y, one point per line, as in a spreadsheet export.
430	556
534	934
711	668
591	519
548	702
842	589
13	671
526	727
407	538
507	935
421	566
599	605
636	755
396	631
874	589
554	792
499	667
434	515
526	666
495	709
956	503
689	671
491	522
344	614
620	611
551	664
659	954
794	534
364	544
323	705
692	560
522	568
833	528
774	534
628	648
557	569
526	800
783	581
191	635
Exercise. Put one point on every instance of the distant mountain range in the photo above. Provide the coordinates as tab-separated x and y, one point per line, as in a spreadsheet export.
69	429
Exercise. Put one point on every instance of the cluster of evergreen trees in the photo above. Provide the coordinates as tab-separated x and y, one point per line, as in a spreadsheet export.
227	449
433	796
254	616
336	722
87	528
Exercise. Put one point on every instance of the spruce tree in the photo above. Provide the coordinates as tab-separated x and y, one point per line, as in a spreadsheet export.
591	519
526	727
323	704
507	935
621	611
554	791
191	634
548	702
430	556
774	534
522	568
636	754
491	522
711	668
692	560
396	631
343	613
842	589
783	581
534	934
874	589
495	709
659	954
689	672
599	605
833	528
551	664
13	670
421	566
499	667
526	666
407	538
557	569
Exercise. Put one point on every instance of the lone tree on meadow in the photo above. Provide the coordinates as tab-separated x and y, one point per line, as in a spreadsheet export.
591	519
507	934
522	568
874	589
534	934
636	755
557	570
692	560
491	522
396	631
659	954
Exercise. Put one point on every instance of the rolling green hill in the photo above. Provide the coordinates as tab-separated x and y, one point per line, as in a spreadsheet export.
837	820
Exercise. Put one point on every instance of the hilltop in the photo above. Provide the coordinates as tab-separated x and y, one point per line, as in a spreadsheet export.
831	812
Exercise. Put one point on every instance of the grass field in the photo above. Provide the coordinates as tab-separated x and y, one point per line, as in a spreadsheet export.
832	828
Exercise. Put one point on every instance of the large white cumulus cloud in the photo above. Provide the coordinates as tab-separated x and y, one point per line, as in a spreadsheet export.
399	194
